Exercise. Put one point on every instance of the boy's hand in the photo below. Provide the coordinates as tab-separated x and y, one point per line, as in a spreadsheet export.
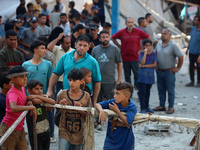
78	104
34	113
31	97
63	101
114	107
28	103
102	117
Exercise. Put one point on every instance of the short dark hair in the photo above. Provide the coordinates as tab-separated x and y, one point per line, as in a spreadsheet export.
41	15
9	26
85	11
85	71
35	11
4	79
140	20
124	86
44	39
107	24
77	16
83	38
66	36
36	44
33	83
72	3
147	15
96	19
146	41
199	18
104	31
56	7
75	74
0	17
10	33
63	14
29	5
196	17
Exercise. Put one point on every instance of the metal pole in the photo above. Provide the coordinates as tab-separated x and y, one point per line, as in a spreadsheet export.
12	128
115	15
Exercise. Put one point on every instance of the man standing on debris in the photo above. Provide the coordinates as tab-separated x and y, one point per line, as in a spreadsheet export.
130	45
194	53
148	28
167	51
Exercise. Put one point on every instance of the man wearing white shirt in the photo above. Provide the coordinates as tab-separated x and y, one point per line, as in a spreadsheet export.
64	23
59	51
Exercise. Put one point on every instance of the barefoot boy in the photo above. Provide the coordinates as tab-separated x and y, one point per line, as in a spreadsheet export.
119	134
15	105
35	88
72	121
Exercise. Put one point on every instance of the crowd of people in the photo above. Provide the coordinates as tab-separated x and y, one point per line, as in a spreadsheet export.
71	59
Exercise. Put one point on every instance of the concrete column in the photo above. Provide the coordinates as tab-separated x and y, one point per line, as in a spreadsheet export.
115	15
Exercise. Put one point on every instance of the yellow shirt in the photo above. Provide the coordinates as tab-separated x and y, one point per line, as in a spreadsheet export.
38	7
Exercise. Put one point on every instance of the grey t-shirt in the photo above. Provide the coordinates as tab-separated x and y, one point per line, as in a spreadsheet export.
149	31
28	36
54	18
44	30
166	55
107	57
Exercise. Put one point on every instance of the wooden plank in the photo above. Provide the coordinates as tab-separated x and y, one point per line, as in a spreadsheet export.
181	2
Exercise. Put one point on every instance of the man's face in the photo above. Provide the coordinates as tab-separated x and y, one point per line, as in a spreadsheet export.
129	23
196	21
66	43
82	47
30	9
22	21
11	42
58	1
18	25
108	29
23	2
165	35
43	19
150	19
38	1
44	6
83	31
34	25
40	50
36	14
63	19
0	21
95	11
145	23
93	32
104	39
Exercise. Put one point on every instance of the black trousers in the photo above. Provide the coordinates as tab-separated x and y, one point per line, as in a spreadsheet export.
193	59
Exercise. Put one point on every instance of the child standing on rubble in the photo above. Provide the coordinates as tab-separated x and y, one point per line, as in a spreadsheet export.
72	121
15	105
119	134
148	63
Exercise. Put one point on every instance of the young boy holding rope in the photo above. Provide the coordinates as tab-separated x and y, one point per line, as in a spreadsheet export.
71	125
35	88
15	105
119	134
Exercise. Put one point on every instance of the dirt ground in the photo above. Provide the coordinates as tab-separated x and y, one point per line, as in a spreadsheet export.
176	139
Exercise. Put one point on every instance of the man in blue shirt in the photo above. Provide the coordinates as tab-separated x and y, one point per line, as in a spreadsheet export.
194	49
77	59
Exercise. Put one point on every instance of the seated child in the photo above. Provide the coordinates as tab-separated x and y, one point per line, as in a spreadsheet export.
35	89
72	121
5	85
148	62
119	134
15	105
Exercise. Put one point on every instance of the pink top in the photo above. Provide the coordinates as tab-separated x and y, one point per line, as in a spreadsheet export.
14	95
130	43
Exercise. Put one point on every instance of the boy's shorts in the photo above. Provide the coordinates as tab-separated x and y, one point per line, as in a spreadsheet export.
16	140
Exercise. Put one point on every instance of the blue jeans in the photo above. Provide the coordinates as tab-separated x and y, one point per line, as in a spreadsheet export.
166	83
65	145
51	122
128	66
144	95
